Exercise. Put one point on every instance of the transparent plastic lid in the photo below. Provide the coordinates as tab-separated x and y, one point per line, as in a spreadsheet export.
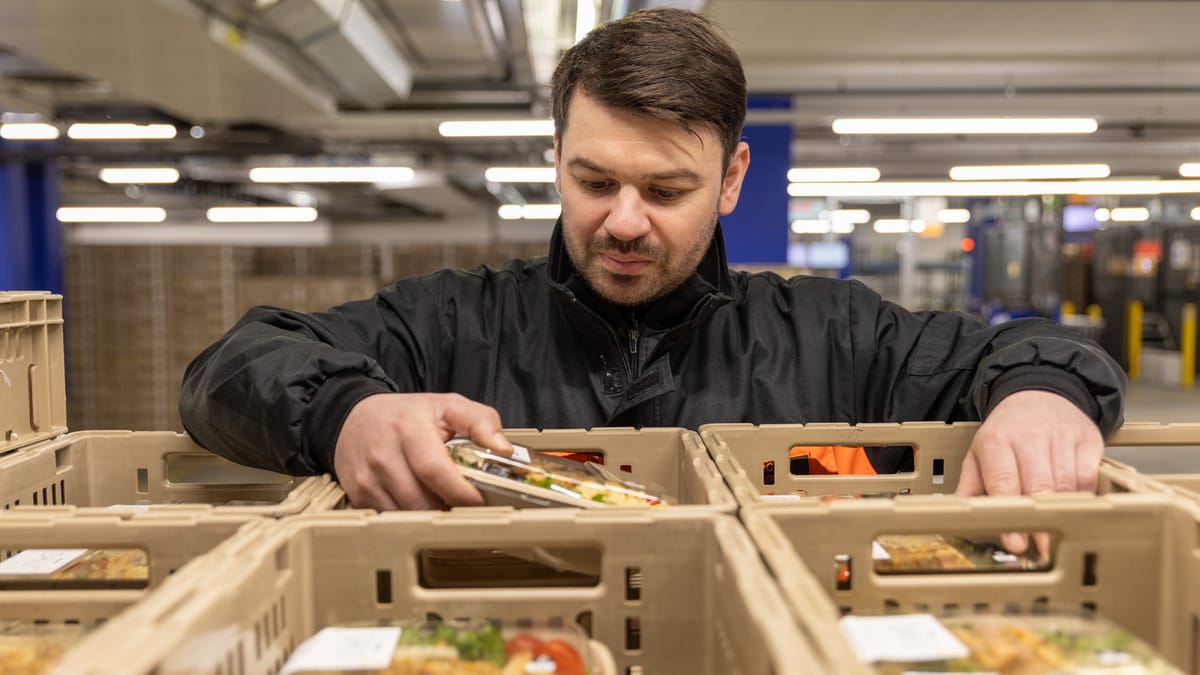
1003	644
390	648
33	648
532	478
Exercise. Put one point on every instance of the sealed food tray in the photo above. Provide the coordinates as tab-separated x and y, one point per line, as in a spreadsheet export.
33	392
150	470
674	459
1131	558
757	461
665	591
65	607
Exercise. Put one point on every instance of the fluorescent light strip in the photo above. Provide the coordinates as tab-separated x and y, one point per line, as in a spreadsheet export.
864	174
850	216
585	18
520	174
28	131
530	211
995	188
892	226
1030	172
951	125
1196	213
1190	170
811	226
121	132
496	128
843	228
262	214
111	214
1130	214
332	174
954	216
142	175
1102	215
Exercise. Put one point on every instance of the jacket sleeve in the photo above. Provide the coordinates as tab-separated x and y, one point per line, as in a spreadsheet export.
274	391
949	366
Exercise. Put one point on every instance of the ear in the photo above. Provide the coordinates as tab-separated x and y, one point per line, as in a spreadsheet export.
731	185
557	166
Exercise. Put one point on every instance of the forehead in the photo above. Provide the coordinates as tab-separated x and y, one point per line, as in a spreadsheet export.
611	135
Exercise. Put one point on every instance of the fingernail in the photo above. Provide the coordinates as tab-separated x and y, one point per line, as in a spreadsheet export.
501	442
1015	542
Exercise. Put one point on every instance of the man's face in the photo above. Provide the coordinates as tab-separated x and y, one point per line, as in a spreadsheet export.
640	198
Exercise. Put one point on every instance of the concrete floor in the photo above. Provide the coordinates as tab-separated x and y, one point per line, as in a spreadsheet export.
1147	402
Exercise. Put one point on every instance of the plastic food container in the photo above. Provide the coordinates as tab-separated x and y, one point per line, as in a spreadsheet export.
32	649
530	478
477	649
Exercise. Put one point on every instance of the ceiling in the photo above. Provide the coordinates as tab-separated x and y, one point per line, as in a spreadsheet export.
368	81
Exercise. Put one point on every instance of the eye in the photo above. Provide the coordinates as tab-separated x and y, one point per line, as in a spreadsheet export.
593	185
666	195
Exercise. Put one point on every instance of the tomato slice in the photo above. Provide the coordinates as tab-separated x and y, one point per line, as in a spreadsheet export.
523	643
564	655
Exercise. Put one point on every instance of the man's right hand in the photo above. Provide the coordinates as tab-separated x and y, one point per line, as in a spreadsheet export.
391	452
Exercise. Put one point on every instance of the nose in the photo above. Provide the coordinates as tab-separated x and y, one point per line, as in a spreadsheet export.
627	219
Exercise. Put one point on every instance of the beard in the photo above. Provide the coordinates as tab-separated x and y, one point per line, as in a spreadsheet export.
667	271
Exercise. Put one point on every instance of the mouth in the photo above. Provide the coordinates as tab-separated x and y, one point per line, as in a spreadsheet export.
623	264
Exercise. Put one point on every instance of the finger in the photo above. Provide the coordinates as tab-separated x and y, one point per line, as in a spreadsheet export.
396	481
371	497
998	466
479	422
970	482
1014	542
430	465
1042	541
1087	460
1063	463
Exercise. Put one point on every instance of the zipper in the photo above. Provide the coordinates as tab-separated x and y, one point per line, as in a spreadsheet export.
633	341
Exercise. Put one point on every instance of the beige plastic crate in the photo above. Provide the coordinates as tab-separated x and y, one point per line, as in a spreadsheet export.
159	471
741	452
674	458
32	374
171	544
1132	558
677	592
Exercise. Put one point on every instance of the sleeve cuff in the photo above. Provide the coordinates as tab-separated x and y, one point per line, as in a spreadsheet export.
331	403
1043	378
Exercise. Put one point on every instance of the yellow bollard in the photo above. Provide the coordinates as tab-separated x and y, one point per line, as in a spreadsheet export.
1093	311
1133	338
1068	308
1187	347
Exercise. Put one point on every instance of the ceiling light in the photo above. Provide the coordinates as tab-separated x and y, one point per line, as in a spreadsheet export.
111	214
1030	172
331	174
949	125
28	131
811	226
496	128
843	228
952	216
520	174
262	214
848	174
530	211
1196	213
852	216
1190	170
121	132
1130	214
994	188
1102	215
891	226
917	225
144	175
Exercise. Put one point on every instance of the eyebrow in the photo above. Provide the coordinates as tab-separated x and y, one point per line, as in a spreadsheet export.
673	174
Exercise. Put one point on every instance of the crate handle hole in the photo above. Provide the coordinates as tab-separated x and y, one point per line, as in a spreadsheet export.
1089	568
143	481
939	471
383	587
768	472
842	564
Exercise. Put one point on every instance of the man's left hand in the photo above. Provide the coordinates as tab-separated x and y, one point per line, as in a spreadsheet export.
1033	441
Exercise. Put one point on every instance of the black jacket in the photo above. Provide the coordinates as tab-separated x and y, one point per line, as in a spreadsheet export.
532	340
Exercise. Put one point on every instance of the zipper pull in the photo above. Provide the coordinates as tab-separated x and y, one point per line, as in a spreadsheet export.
633	341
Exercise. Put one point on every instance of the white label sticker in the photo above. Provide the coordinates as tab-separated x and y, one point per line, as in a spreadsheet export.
878	552
521	454
781	498
128	507
345	649
909	638
40	560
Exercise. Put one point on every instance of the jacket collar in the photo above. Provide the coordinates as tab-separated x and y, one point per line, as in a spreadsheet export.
710	285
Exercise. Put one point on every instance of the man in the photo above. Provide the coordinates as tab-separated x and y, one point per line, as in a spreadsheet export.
634	319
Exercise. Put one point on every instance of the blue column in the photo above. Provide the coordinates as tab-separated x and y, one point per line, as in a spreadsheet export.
30	240
757	230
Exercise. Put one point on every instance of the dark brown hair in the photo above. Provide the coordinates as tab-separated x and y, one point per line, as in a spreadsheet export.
666	63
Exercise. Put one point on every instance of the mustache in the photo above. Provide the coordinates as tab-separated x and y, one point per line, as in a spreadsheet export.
640	247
